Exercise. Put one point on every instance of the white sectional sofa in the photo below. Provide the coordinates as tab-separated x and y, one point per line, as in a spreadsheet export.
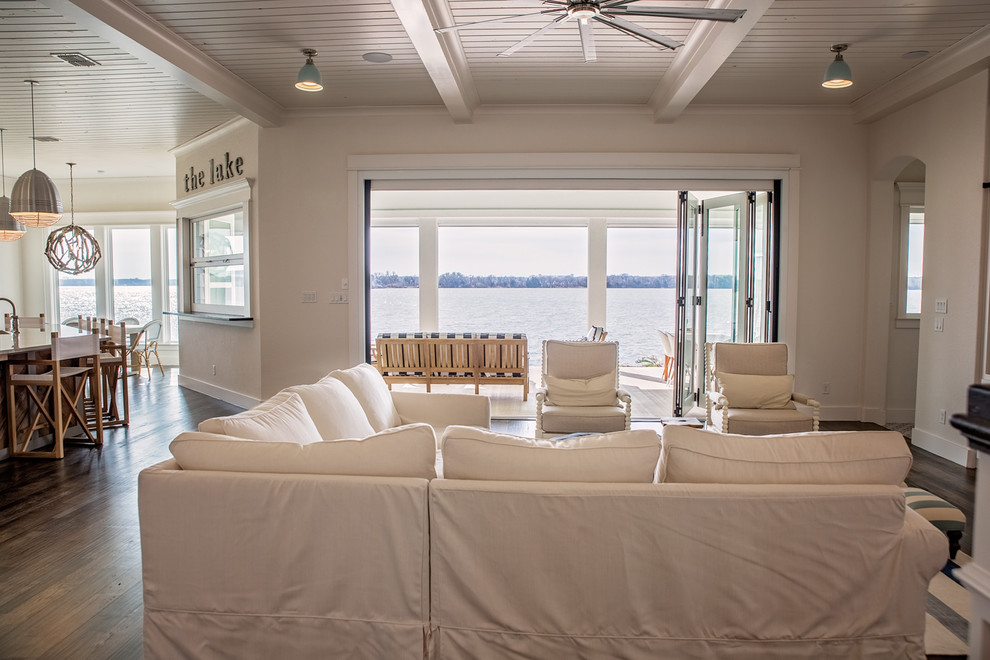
600	546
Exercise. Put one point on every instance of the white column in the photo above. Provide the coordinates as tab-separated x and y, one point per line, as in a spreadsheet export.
597	271
429	278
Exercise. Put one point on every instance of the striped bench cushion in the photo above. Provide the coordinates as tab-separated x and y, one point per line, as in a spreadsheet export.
937	511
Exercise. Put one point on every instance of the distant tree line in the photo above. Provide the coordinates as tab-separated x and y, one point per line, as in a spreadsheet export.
455	280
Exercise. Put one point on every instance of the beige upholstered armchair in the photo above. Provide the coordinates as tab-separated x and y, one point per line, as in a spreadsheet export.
580	391
751	393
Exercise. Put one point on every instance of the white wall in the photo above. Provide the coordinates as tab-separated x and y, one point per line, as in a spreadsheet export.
304	219
235	351
948	132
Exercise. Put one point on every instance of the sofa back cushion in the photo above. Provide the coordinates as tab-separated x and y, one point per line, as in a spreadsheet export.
371	391
404	451
620	457
852	457
282	418
334	409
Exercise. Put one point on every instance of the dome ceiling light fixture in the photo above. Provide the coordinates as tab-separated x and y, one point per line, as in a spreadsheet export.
34	201
309	78
10	228
838	74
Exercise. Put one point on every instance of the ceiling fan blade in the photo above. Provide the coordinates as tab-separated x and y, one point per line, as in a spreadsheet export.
726	15
639	32
588	41
478	24
533	37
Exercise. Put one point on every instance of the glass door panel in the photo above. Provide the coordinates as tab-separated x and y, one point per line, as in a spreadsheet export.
726	313
687	295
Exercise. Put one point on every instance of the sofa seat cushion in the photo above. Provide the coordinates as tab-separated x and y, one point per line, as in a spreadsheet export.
371	391
334	409
764	421
404	451
576	419
282	418
691	455
620	457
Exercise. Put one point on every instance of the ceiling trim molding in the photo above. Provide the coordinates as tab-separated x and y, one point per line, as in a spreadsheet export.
708	46
763	110
953	64
132	30
443	58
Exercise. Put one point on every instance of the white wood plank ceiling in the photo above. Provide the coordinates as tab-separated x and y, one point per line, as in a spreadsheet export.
172	69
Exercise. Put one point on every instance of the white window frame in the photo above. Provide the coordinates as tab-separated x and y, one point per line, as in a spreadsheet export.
233	197
911	200
223	260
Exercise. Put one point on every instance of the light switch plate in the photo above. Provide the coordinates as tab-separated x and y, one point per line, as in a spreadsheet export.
309	296
338	298
939	323
941	305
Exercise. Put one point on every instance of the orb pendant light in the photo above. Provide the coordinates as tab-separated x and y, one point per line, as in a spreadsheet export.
838	74
309	78
10	228
34	201
72	249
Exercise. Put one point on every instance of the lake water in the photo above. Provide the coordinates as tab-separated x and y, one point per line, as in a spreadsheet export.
633	315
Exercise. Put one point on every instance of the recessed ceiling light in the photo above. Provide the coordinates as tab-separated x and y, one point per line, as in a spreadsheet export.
377	58
915	54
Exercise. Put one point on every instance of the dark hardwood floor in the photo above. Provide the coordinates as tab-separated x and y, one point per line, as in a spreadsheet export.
70	561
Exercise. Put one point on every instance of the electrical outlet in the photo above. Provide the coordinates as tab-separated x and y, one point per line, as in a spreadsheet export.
939	323
941	416
826	388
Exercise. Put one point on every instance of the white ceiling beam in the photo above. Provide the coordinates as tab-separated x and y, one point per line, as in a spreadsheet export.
443	58
136	33
708	46
953	64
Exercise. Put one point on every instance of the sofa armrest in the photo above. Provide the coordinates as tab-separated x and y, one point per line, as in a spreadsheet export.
804	400
442	409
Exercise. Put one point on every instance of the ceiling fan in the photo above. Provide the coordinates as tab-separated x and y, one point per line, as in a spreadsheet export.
608	12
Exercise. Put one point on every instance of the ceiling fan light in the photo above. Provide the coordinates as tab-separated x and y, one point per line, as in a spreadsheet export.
838	74
10	228
34	201
309	78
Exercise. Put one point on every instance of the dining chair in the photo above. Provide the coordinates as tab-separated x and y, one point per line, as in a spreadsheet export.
54	396
152	330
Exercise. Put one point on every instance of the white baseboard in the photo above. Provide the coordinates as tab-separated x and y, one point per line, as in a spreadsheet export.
236	398
839	413
900	415
955	452
875	415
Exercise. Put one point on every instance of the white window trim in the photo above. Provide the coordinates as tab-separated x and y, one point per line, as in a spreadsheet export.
226	198
911	198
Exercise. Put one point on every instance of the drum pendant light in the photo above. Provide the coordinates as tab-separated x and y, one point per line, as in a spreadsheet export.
72	249
34	201
10	228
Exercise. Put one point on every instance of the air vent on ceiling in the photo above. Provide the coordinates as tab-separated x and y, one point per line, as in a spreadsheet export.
76	59
45	138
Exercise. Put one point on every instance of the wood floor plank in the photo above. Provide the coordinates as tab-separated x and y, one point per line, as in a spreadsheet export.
70	560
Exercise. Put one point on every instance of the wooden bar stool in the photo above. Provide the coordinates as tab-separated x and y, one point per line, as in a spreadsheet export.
54	395
113	365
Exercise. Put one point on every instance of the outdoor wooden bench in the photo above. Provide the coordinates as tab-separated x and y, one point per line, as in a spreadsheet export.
449	358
